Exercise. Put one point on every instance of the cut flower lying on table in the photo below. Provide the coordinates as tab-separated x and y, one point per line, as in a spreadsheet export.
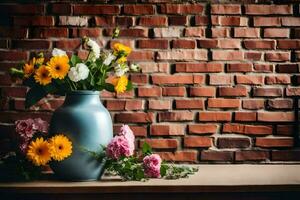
101	70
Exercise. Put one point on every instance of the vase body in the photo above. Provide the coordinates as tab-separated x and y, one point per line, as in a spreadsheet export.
87	123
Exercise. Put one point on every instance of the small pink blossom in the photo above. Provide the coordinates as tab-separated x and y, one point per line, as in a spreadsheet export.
41	125
128	134
23	144
119	146
152	164
25	128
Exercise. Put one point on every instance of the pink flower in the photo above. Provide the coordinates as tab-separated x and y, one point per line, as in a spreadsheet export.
152	165
128	134
119	146
41	125
25	128
23	144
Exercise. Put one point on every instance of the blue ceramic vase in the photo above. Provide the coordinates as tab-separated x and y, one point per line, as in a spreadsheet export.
87	123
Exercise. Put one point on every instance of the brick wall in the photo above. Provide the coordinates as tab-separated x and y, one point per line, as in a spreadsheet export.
217	81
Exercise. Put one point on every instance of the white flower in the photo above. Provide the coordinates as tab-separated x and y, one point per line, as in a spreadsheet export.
95	48
134	67
121	69
58	52
110	57
79	72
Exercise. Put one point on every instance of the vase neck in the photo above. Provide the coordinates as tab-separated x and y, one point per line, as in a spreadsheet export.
82	98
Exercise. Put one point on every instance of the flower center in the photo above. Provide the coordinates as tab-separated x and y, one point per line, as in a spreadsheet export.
39	151
57	67
60	147
44	75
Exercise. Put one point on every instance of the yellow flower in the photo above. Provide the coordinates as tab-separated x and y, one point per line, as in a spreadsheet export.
121	60
58	66
28	69
120	84
37	61
42	75
60	147
121	49
38	152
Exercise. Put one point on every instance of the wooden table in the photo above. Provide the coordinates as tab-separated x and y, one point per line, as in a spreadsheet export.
211	182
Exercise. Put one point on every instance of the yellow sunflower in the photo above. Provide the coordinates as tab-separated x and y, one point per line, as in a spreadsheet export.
121	49
39	152
60	147
58	66
28	70
37	61
42	75
121	60
120	84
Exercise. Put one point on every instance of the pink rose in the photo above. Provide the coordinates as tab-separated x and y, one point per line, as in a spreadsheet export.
23	144
25	128
128	134
41	125
119	146
152	165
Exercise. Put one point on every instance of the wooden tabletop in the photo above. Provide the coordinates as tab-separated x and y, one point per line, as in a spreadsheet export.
210	178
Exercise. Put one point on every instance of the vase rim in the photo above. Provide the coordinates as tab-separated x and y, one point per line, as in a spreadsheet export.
84	92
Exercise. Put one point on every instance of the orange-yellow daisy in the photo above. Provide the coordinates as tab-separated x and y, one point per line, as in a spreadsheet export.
120	84
60	147
121	49
42	75
58	66
39	152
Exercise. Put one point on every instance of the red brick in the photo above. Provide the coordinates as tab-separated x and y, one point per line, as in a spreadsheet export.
189	104
187	55
160	104
199	67
287	68
263	68
280	103
220	79
226	9
252	55
268	9
250	79
201	20
274	142
178	20
106	21
217	156
13	55
267	21
179	156
278	79
139	79
229	44
239	67
124	105
238	91
276	33
245	116
233	142
153	21
161	129
286	130
61	8
12	32
141	56
13	92
138	131
183	44
223	103
134	117
253	104
134	33
251	155
125	21
68	44
50	32
176	116
229	20
198	141
173	91
292	91
220	32
267	92
81	9
175	79
214	116
275	116
33	21
202	91
286	155
73	21
259	44
258	130
288	44
160	143
181	9
139	9
227	55
202	129
149	92
14	9
167	32
153	44
31	44
246	32
194	32
87	32
207	43
290	21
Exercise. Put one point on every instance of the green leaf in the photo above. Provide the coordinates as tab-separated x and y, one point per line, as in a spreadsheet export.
74	60
146	149
129	86
163	170
35	94
109	87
